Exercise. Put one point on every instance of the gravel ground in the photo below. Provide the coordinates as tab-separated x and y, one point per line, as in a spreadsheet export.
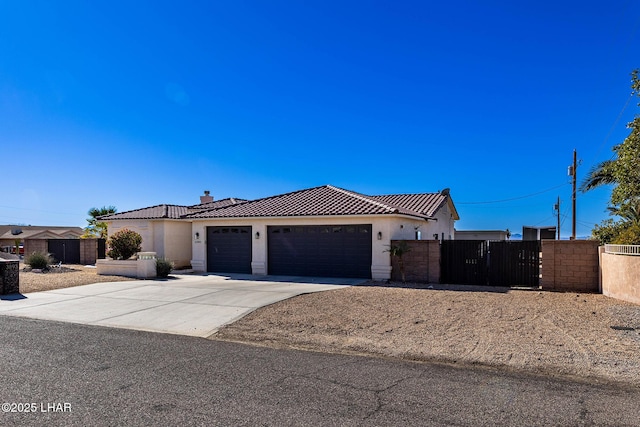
64	277
584	335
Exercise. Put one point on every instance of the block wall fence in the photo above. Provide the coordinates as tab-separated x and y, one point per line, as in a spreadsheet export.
88	249
566	265
421	263
570	265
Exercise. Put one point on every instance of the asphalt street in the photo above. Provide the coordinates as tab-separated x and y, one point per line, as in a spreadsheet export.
54	373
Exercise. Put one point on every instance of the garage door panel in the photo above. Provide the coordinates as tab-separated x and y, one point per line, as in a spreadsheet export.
332	251
229	249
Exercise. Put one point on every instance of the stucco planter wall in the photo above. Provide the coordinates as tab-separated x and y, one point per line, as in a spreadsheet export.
142	268
620	277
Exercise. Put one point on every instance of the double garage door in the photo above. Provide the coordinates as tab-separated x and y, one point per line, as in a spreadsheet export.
309	250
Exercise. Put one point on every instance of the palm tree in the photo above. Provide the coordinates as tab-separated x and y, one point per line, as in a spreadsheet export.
399	250
97	228
629	211
600	174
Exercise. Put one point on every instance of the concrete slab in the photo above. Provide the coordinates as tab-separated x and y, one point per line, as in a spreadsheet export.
196	305
198	320
157	292
98	288
84	310
241	298
19	302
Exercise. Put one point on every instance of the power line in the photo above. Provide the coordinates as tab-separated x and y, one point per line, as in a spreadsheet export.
615	124
513	198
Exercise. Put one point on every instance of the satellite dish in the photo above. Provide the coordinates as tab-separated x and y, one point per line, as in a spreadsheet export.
16	231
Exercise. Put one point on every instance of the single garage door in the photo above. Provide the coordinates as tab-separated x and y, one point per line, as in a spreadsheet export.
325	251
229	249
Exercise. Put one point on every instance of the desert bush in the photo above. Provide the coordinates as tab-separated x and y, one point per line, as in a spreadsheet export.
39	260
163	267
124	244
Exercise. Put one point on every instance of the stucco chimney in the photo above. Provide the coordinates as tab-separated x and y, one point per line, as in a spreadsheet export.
206	198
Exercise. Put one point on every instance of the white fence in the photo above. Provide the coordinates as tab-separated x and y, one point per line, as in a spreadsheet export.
622	249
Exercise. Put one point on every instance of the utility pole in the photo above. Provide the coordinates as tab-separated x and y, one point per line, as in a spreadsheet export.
573	172
557	208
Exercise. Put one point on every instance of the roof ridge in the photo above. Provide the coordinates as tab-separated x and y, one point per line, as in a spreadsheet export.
406	194
364	198
234	199
141	209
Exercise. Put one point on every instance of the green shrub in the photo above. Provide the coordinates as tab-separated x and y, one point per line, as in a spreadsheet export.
124	244
38	260
629	236
163	267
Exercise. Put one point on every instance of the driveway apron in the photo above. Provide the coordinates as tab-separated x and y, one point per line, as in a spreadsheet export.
194	305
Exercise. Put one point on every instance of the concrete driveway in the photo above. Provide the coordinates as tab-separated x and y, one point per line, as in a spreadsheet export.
184	304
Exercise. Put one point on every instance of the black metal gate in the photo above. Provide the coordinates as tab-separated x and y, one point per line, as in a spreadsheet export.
493	263
66	251
102	248
514	263
464	262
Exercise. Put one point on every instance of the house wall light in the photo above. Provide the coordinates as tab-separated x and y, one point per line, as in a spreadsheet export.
257	234
379	235
197	235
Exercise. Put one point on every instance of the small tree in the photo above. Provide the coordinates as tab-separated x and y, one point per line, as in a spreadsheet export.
124	244
398	250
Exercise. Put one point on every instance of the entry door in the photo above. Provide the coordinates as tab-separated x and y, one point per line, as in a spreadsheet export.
229	249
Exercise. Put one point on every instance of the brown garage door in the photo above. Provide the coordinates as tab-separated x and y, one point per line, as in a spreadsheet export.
320	250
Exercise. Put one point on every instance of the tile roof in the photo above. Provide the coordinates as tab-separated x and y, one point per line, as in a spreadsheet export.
69	232
152	212
27	231
424	203
216	204
328	200
169	211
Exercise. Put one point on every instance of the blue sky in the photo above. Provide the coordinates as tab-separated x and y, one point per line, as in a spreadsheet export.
139	103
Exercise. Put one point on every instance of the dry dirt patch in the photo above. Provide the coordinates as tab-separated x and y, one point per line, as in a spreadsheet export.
64	277
586	335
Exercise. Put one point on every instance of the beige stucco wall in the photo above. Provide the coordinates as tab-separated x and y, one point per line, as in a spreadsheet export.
391	227
621	277
174	237
170	239
142	227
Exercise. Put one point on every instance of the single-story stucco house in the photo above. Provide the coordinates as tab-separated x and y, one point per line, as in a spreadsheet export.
321	231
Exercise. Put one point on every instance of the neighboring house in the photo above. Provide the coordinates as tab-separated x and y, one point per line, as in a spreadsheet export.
482	235
10	233
320	231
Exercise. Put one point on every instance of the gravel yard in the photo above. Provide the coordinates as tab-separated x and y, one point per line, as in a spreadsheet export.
63	277
584	335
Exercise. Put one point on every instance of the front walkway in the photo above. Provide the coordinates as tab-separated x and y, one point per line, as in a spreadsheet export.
184	305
